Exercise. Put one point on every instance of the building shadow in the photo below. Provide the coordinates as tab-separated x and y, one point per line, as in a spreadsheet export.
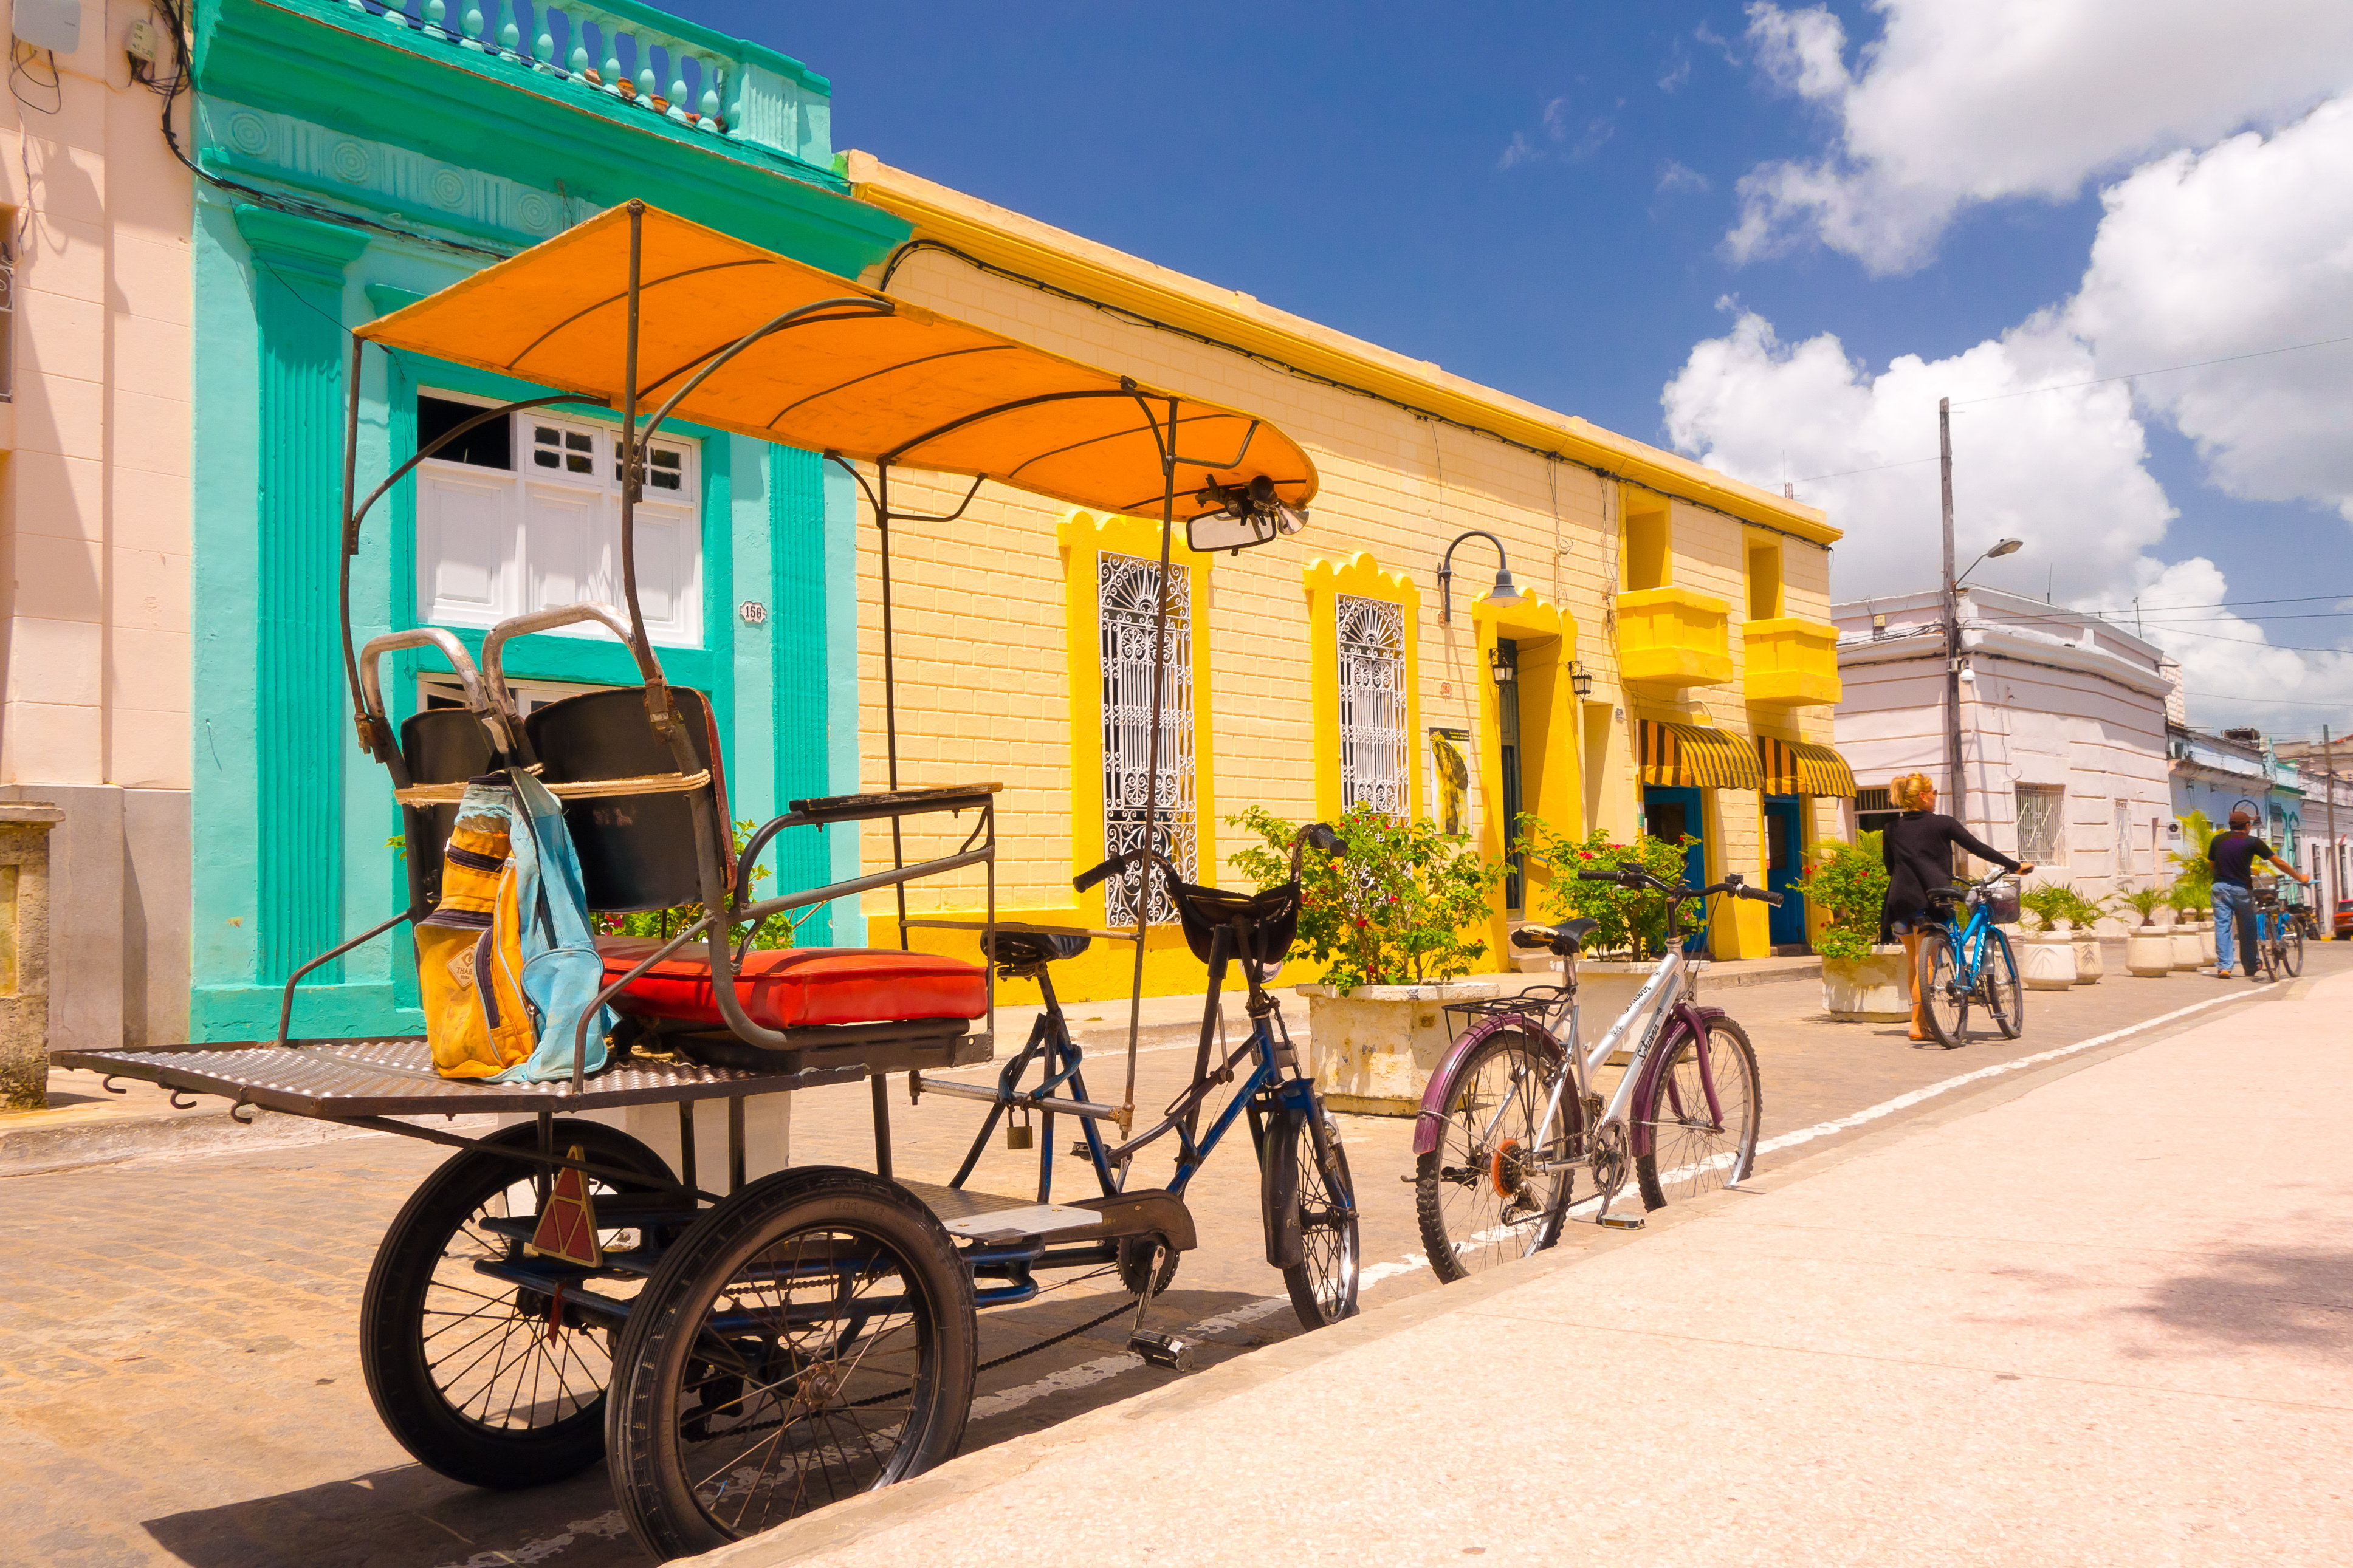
2284	1297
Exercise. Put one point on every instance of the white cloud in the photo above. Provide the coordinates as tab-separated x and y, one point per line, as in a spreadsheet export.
2245	247
1678	178
1568	140
1959	104
1676	76
2062	470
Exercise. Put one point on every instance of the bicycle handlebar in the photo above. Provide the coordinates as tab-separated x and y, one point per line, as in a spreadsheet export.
1317	834
1637	881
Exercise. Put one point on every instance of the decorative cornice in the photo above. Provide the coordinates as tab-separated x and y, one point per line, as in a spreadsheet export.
320	251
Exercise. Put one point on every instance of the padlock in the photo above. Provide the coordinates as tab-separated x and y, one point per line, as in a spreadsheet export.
1018	1135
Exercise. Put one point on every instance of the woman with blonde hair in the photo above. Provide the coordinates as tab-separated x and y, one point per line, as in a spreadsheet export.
1917	850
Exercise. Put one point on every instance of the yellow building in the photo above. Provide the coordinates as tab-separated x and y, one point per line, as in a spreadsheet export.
1672	643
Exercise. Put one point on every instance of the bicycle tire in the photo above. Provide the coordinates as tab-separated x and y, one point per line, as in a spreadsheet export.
1693	1157
1997	983
2292	953
1323	1285
446	1412
1935	978
1452	1183
851	1420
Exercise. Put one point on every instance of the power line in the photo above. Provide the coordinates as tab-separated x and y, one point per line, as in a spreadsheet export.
2162	370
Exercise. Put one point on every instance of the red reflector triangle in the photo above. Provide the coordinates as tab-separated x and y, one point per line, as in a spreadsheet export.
567	1224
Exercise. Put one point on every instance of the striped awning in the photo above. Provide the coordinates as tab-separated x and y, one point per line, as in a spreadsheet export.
1794	767
1692	756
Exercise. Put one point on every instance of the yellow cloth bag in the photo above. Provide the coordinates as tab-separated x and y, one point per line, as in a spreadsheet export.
469	956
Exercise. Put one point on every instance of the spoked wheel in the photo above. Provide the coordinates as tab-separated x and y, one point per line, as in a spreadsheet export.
810	1339
1997	984
1943	1001
1700	1141
1307	1188
2291	953
1496	1186
488	1383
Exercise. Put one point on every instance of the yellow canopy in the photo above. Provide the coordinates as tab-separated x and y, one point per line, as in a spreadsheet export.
1694	756
908	387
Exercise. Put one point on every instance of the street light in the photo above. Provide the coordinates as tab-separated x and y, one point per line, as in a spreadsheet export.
2001	547
1504	592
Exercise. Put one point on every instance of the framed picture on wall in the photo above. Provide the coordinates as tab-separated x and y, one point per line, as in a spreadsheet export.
1449	781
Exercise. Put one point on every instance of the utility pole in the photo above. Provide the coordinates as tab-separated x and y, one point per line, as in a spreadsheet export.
2335	859
1954	784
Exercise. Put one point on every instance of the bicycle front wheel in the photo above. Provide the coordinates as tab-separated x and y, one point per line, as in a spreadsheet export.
1496	1186
1700	1117
1305	1155
1944	999
1997	983
2291	953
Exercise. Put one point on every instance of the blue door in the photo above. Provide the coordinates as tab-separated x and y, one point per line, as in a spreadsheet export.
1675	814
1784	863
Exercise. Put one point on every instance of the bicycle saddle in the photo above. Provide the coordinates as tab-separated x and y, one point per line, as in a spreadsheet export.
1565	938
1023	949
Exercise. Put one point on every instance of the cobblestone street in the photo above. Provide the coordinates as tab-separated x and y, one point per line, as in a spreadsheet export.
178	1374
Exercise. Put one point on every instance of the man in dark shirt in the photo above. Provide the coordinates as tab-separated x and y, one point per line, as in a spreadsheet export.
2234	856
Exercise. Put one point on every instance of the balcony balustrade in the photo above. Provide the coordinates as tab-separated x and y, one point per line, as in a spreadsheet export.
1790	663
693	76
1673	638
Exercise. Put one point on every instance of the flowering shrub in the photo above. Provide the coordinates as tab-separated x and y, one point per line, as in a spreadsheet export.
1629	921
1848	883
1391	911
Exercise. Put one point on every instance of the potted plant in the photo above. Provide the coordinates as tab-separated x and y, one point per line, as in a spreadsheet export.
2046	958
1631	928
1387	922
1862	980
2089	965
2193	945
2149	948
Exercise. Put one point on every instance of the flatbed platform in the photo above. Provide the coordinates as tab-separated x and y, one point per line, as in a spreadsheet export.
340	1080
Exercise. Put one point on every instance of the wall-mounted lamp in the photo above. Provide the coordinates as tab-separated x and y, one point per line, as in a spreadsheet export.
1580	681
1505	665
1504	592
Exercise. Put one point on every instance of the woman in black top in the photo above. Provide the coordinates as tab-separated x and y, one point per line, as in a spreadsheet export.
1917	849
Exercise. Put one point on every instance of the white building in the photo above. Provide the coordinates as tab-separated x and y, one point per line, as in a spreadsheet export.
2062	722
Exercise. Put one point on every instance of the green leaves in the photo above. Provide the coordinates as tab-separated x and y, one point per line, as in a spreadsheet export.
1848	883
1628	922
1392	911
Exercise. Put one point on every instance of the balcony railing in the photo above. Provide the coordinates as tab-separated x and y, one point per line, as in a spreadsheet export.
1790	663
659	64
1673	637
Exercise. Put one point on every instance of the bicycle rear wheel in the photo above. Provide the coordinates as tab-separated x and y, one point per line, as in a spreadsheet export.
1997	983
1691	1151
1308	1170
1944	1000
2291	953
1494	1188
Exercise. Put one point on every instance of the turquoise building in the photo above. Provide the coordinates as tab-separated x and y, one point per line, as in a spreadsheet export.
357	157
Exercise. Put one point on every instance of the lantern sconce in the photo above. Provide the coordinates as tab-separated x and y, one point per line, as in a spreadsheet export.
1505	665
1580	680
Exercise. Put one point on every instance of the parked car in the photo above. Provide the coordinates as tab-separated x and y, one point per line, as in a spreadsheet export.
2343	926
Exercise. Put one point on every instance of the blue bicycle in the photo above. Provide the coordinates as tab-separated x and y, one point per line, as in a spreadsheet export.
1966	962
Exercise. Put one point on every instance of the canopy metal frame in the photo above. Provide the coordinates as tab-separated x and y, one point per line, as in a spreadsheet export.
1162	417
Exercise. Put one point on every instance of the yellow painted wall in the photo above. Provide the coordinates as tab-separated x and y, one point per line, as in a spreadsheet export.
992	634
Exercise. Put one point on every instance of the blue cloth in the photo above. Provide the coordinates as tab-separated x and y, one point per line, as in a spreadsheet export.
562	972
2234	903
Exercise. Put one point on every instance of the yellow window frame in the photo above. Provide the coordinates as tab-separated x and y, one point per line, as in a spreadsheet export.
1359	576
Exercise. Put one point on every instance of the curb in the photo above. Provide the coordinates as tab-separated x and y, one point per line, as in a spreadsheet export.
855	1518
111	1140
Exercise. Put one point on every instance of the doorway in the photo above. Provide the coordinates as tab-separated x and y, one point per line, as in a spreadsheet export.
1784	866
1672	813
1507	729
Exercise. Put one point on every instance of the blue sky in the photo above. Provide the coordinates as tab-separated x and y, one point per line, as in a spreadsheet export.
1539	197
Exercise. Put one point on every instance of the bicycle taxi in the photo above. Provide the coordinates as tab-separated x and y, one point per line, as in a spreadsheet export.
744	1351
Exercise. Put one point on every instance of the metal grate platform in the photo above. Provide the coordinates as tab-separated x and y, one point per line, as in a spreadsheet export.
345	1079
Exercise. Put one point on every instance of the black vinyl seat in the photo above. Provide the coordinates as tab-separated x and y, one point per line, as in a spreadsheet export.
1565	938
636	851
440	746
1030	949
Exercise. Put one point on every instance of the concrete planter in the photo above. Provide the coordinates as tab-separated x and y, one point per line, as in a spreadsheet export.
2188	951
2047	963
25	953
1866	990
2206	941
2089	965
1372	1050
2148	952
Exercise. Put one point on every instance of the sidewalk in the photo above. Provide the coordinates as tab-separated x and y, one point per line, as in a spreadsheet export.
2102	1316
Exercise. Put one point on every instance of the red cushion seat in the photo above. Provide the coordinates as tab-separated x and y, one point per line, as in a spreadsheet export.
798	988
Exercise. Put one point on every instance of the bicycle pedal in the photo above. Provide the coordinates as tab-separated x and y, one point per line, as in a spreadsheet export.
1079	1150
1162	1350
1621	1222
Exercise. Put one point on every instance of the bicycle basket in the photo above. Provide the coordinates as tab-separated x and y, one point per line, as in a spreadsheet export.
2002	905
